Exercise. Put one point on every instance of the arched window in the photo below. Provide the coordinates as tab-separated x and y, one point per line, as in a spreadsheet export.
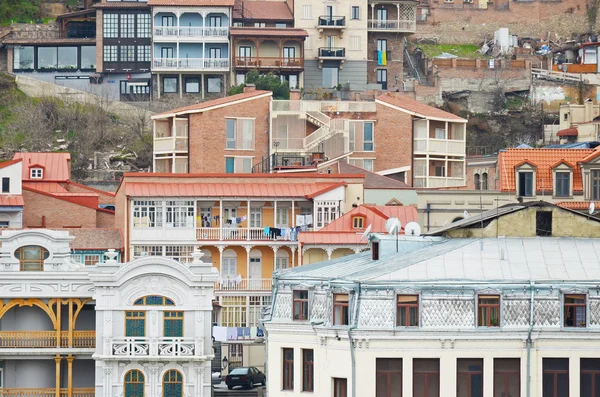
282	260
134	383
229	264
154	300
173	384
207	258
32	257
477	181
484	181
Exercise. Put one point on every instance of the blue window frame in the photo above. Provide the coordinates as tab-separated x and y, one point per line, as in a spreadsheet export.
229	165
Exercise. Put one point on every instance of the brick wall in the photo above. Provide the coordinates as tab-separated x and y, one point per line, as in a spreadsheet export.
58	213
474	168
395	69
207	135
104	197
9	60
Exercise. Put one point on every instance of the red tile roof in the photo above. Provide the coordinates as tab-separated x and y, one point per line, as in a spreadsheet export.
577	205
417	108
7	163
261	32
372	180
11	201
262	10
142	189
341	230
38	40
544	160
197	3
568	132
48	187
57	166
121	4
226	101
96	238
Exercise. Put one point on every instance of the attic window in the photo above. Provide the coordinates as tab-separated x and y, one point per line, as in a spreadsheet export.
36	173
358	222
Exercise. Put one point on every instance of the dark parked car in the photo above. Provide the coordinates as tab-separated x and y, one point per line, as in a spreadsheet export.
246	377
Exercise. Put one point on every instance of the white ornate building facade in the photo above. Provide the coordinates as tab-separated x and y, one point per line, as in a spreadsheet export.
460	317
140	328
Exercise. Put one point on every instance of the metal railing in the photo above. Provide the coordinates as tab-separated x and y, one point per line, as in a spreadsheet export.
231	233
328	21
190	31
47	392
332	52
163	347
267	62
191	63
245	284
392	25
46	339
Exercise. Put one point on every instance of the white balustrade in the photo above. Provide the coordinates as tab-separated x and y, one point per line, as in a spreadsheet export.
161	347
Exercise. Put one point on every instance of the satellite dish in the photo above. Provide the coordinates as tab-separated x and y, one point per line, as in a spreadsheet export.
365	235
466	214
412	229
393	225
591	208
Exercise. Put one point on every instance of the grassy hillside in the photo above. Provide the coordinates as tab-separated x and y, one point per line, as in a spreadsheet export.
19	10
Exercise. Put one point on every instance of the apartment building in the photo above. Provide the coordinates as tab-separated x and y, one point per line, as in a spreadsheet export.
133	329
577	123
440	318
191	47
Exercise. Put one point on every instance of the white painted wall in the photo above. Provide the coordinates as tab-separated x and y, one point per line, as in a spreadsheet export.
29	373
14	173
26	319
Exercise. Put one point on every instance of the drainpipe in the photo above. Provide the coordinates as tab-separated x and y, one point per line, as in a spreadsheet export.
428	211
275	288
350	328
529	341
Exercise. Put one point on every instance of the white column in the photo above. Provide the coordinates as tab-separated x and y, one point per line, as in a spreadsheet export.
158	85
448	374
574	379
275	213
398	6
248	249
275	248
107	382
180	79
293	215
488	376
221	219
407	376
248	221
293	250
201	75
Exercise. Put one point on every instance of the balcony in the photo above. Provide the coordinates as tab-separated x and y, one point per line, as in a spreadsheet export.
395	26
258	284
46	339
440	146
171	144
136	347
332	53
233	234
268	63
191	32
48	392
209	64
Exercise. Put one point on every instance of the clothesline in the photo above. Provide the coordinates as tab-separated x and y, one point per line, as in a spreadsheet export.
225	334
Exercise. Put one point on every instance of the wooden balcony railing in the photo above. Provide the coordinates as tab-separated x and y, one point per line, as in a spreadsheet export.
46	339
268	62
258	284
47	392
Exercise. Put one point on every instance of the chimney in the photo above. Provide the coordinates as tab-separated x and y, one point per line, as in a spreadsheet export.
249	88
589	110
295	95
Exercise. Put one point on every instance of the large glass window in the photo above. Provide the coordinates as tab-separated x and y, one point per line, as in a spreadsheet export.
31	257
488	314
301	305
574	311
214	84
469	382
143	25
47	58
368	137
388	377
111	25
172	384
23	58
308	370
192	85
170	85
330	77
127	25
147	213
407	311
595	185
110	53
127	53
590	377
180	253
426	377
288	369
179	213
563	184
555	382
135	323
88	57
143	53
340	309
507	377
525	184
67	57
134	384
173	324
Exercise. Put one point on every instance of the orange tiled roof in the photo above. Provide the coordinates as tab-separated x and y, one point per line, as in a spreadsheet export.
577	205
544	160
568	132
277	32
57	166
11	201
209	104
143	189
418	108
262	10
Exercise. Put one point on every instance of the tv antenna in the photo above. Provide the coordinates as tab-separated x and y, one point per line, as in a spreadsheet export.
412	229
393	225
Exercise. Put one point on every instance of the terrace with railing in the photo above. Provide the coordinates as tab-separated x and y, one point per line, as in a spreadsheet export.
155	347
48	392
46	339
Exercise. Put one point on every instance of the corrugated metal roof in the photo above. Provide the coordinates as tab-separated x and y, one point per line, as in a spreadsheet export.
57	166
418	108
11	201
142	189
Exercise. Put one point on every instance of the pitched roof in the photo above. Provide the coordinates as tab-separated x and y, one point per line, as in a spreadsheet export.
36	40
196	3
96	238
577	205
143	189
7	163
221	102
57	166
372	180
543	160
12	200
262	10
121	4
274	32
417	108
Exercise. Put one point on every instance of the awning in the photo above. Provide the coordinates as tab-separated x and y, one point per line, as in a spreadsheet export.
568	132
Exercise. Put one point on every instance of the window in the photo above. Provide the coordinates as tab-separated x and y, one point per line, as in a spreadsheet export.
381	45
167	52
255	217
368	164
484	181
229	165
31	257
477	181
67	57
590	377
382	78
327	212
469	382
170	85
525	184
426	377
180	253
127	53
507	377
574	311
5	185
368	137
172	384
88	57
111	25
440	170
147	213
173	324
143	53
407	311
340	309
358	222
308	369
388	377
143	25
215	21
595	185
135	323
23	58
288	369
214	84
289	52
179	213
36	173
91	260
168	20
488	310
154	300
233	312
355	43
382	14
214	53
300	305
555	380
440	133
375	250
128	26
340	387
306	11
230	133
543	223
330	76
47	58
140	251
260	25
110	53
281	25
134	384
562	187
355	12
